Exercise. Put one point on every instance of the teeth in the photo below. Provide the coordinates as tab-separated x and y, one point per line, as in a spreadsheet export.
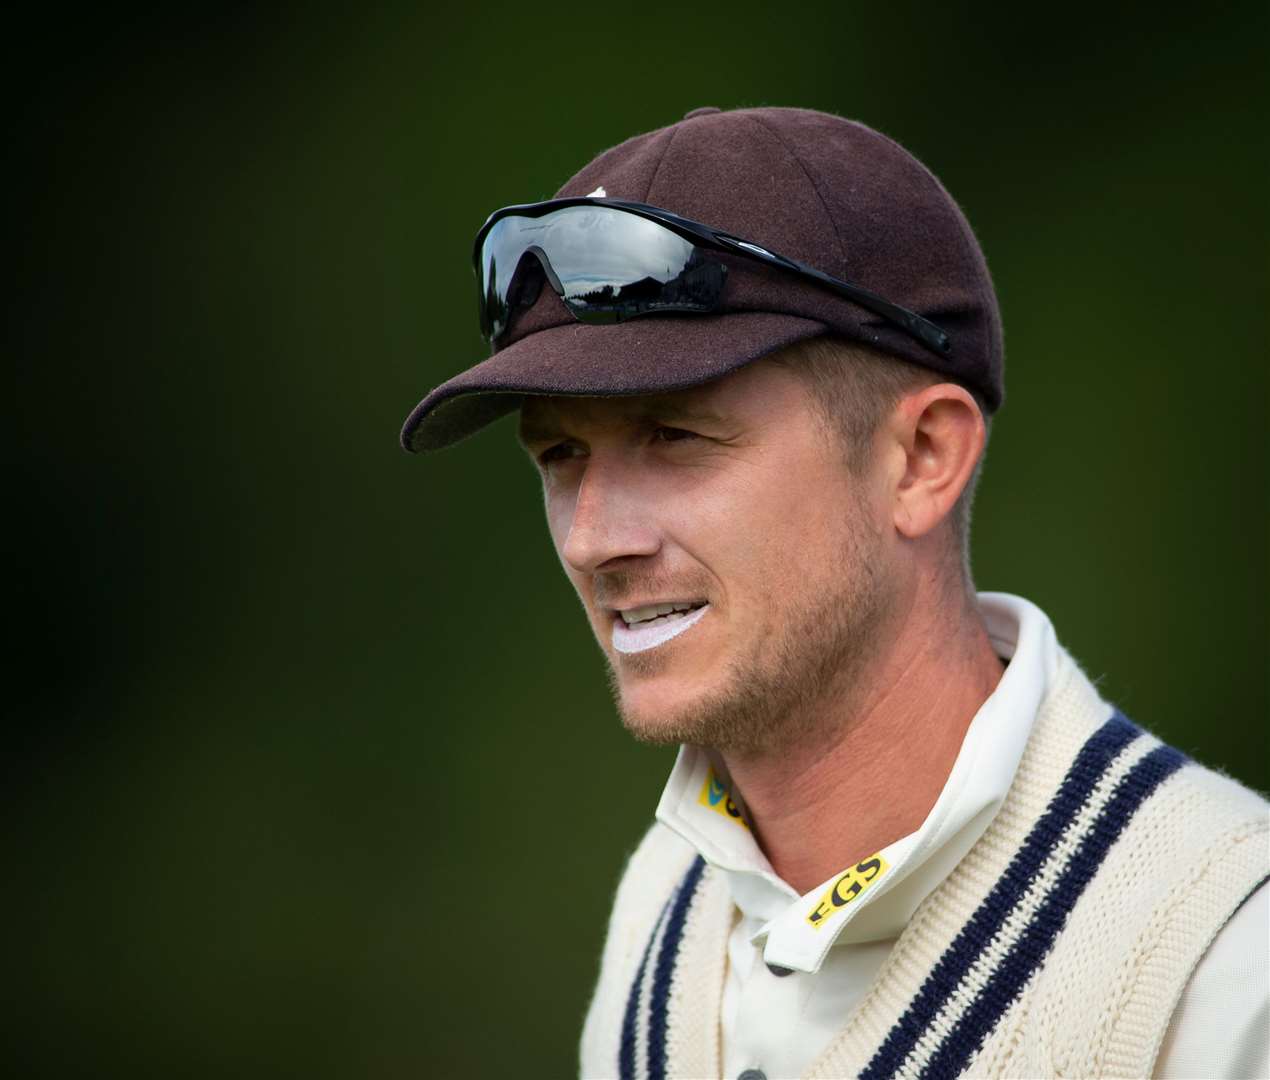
652	633
654	611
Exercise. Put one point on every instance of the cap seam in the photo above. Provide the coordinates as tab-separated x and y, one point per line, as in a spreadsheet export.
674	130
842	251
965	231
984	292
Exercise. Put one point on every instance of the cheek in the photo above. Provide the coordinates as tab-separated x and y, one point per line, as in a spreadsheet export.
559	509
754	536
788	537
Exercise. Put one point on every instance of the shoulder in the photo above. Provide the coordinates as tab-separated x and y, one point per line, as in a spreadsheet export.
1192	855
652	872
1219	1027
1160	850
1077	729
1182	839
658	862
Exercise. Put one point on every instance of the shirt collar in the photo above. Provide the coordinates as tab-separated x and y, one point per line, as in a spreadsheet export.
874	900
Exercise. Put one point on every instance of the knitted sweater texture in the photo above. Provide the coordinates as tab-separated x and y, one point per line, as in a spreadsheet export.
1058	946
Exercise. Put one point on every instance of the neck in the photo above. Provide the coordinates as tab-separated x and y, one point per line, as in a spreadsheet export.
887	749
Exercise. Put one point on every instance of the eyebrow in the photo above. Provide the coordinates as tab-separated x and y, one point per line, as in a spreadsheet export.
668	408
530	431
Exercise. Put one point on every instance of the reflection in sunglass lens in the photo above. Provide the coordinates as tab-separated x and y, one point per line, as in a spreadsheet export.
606	264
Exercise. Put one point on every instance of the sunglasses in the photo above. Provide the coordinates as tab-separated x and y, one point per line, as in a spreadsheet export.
610	260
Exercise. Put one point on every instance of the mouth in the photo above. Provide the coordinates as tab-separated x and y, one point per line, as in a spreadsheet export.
637	629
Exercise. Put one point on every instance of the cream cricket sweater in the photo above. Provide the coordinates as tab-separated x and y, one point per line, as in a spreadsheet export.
1058	947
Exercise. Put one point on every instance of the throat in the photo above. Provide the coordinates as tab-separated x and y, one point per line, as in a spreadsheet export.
818	808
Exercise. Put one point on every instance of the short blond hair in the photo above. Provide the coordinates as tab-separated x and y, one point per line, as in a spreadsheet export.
854	387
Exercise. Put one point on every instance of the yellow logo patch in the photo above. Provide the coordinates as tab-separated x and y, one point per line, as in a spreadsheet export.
714	796
849	886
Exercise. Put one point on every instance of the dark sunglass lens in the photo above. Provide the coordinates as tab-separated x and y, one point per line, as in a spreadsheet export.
598	251
696	285
526	282
502	253
607	265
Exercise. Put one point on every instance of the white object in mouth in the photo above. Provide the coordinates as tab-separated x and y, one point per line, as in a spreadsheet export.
643	636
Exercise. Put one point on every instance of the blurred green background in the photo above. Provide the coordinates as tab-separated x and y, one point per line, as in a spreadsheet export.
312	766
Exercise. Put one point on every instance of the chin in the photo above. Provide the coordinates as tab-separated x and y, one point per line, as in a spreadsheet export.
678	692
648	694
653	727
660	709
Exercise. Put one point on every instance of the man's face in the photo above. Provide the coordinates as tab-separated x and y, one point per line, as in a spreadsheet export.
731	503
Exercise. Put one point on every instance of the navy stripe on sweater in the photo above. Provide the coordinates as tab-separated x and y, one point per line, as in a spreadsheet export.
630	1019
1091	764
1084	774
673	914
666	957
1028	954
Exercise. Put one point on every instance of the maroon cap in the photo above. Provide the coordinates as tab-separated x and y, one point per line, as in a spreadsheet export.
817	188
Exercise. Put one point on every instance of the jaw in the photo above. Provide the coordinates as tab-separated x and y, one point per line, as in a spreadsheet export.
661	689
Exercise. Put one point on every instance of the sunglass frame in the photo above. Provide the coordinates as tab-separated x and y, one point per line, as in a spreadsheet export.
922	329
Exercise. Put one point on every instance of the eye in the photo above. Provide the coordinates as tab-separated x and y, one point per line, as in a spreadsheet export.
560	452
673	434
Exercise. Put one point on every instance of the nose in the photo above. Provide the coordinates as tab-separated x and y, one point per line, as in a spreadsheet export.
611	518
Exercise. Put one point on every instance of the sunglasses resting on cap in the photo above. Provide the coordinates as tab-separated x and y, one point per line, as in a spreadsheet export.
610	260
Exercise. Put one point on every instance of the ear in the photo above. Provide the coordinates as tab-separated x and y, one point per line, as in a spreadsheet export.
937	436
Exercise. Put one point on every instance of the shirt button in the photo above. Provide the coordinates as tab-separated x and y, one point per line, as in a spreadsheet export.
753	1074
778	971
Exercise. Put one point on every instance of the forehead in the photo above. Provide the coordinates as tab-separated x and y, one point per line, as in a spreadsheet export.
740	395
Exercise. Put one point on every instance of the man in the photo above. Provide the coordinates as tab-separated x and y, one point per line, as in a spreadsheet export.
904	835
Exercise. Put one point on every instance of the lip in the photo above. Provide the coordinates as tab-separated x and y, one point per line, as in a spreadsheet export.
636	639
615	610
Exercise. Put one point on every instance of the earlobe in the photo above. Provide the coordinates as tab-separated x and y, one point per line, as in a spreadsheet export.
941	431
904	520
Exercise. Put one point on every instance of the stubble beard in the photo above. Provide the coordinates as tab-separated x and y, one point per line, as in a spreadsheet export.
798	678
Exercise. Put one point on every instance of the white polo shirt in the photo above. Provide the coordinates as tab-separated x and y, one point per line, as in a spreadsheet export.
793	977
